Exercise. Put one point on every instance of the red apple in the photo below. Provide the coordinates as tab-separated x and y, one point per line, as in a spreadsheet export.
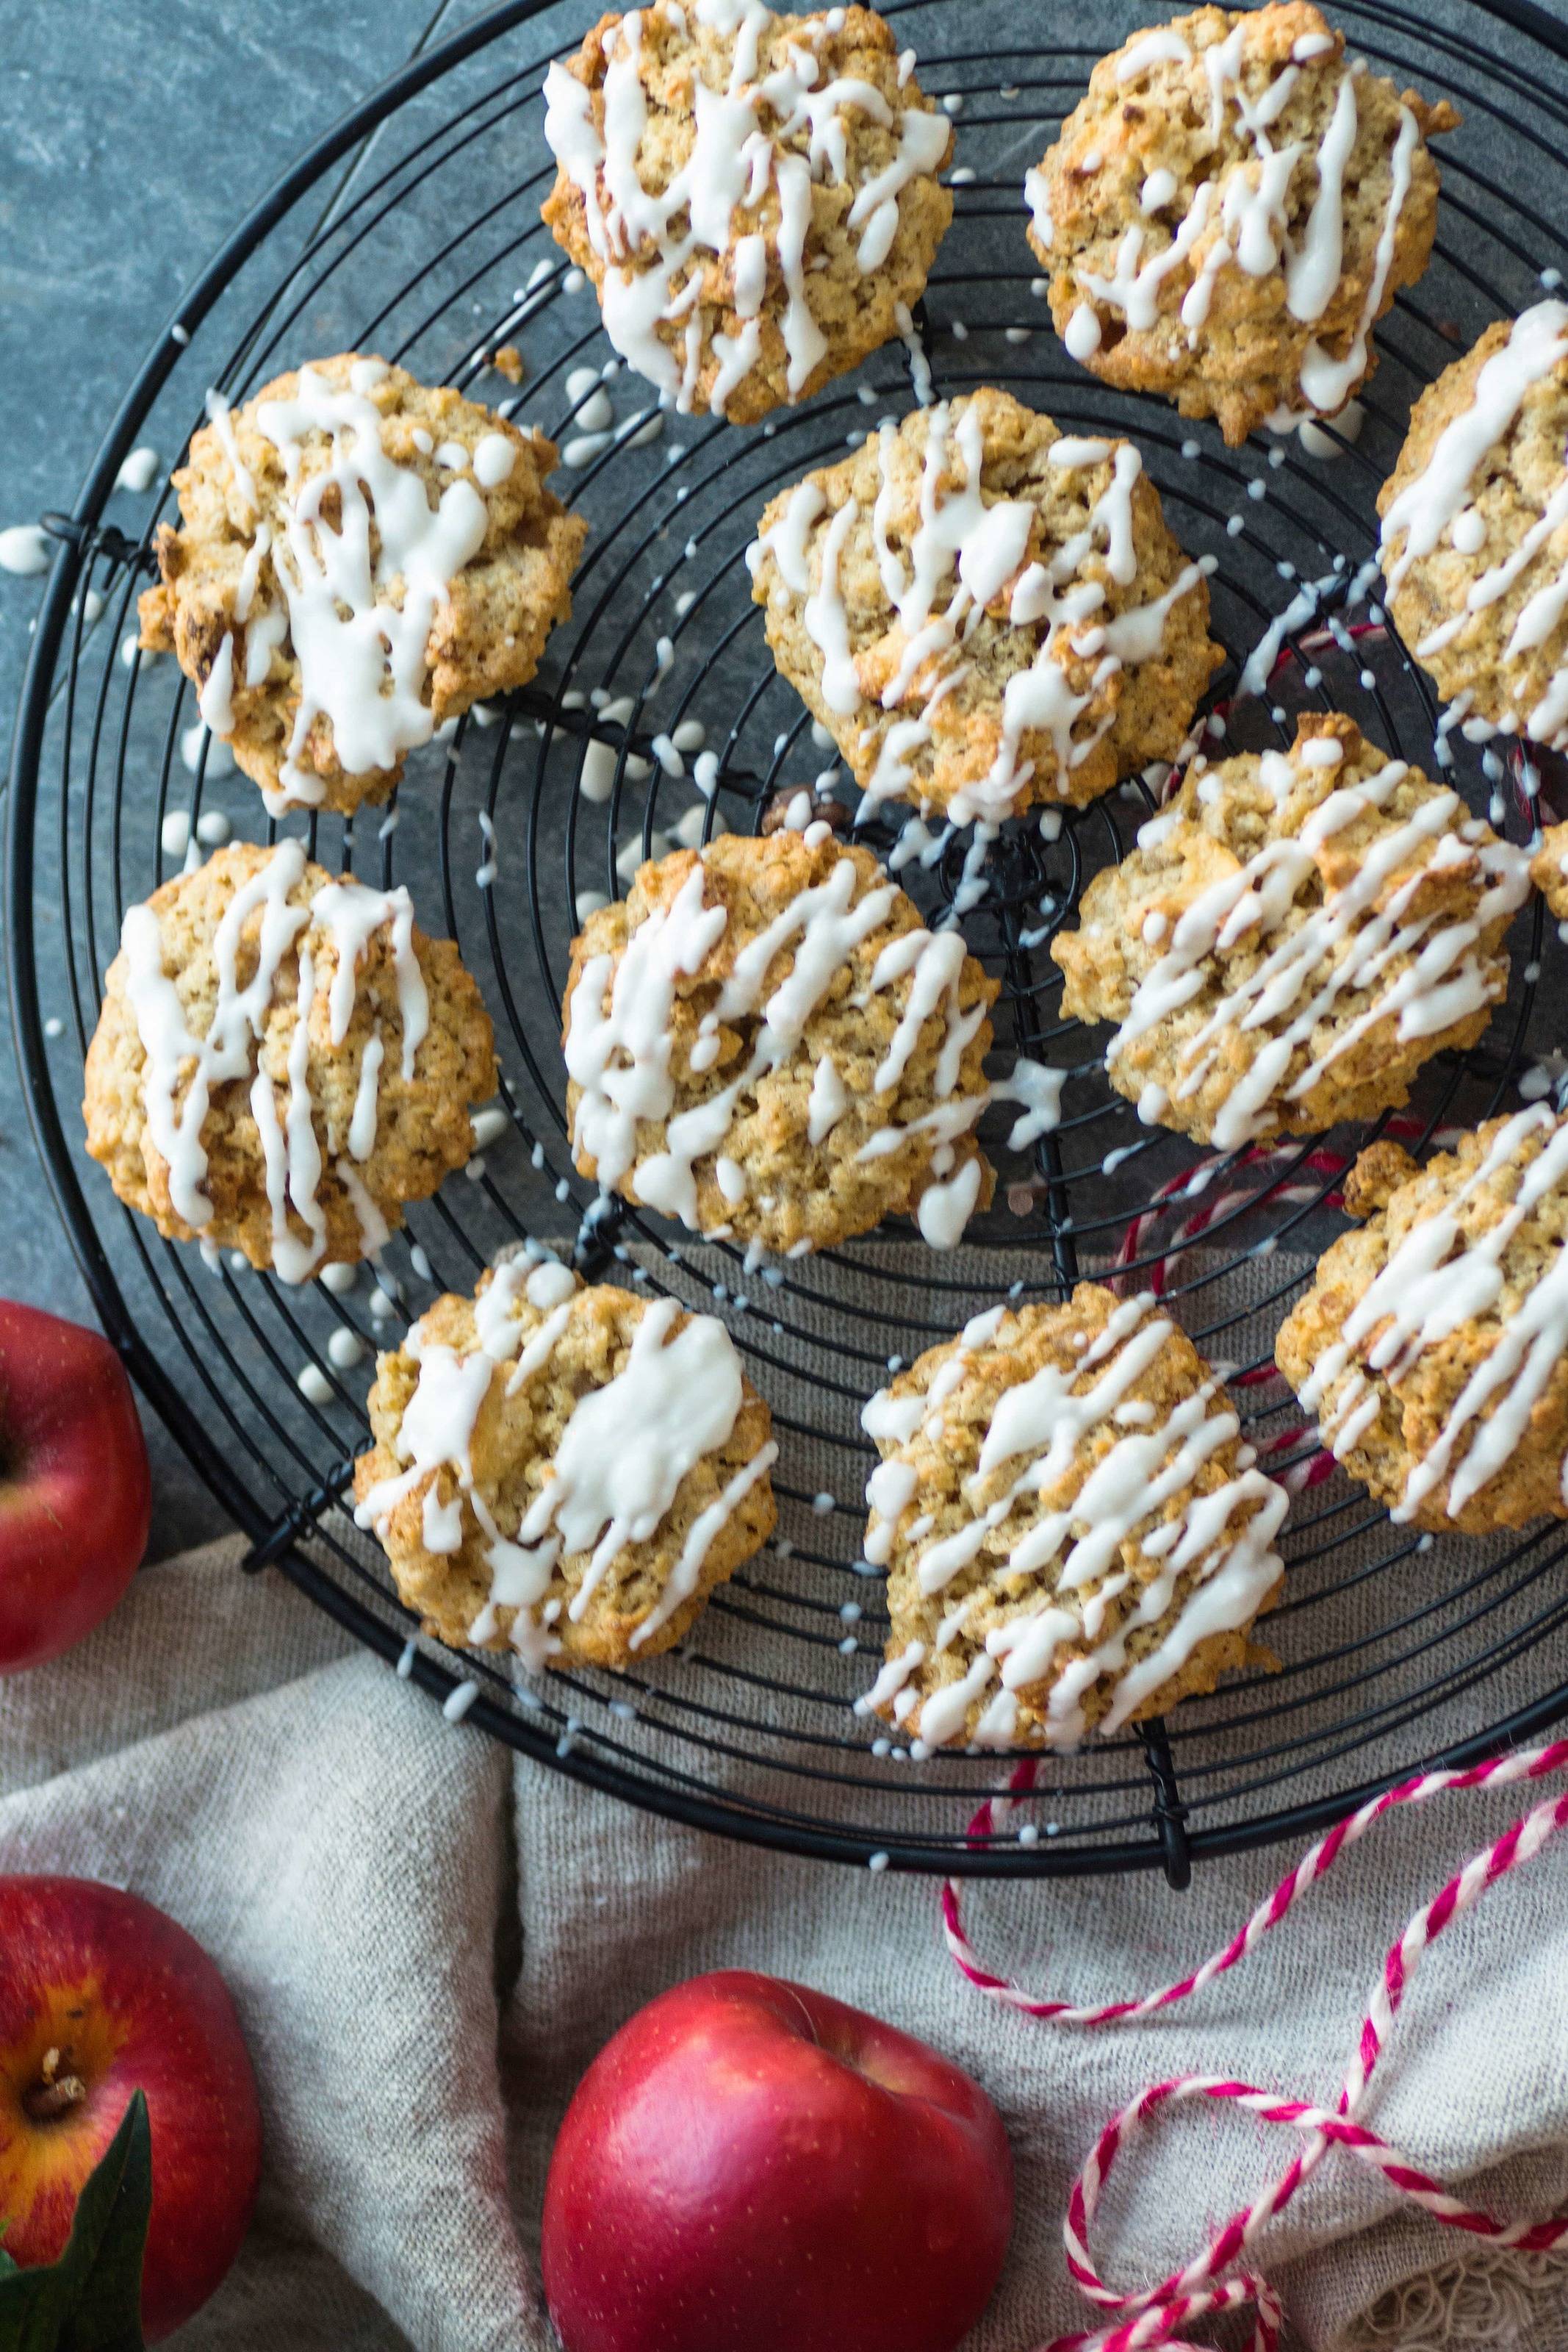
753	2166
101	1995
75	1492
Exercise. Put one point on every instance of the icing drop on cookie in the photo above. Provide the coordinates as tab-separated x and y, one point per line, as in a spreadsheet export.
1126	1477
1435	1280
1298	974
345	914
620	1039
362	655
654	241
968	553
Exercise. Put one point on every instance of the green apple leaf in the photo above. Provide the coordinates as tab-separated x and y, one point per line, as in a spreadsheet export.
90	2299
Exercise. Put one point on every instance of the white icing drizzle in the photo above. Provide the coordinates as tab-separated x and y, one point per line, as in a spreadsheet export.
620	1038
968	553
653	242
1038	1432
362	655
617	1466
1434	1281
1438	501
1344	945
343	916
1244	215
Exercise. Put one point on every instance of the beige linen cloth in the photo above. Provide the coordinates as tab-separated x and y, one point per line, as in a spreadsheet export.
428	1939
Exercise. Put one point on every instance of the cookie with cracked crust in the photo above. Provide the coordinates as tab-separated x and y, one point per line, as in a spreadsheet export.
1230	209
283	1061
359	558
985	612
764	1041
1292	937
564	1472
1474	543
755	197
1074	1533
1433	1344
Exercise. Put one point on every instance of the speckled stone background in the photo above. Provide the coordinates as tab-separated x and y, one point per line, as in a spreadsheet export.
133	133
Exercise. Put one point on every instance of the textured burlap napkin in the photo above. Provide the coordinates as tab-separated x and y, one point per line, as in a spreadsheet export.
359	1866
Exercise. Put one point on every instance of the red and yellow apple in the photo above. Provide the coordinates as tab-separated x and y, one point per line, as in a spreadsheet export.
75	1492
101	1995
752	2167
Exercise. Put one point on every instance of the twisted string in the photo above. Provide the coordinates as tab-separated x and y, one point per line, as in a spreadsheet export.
1153	2316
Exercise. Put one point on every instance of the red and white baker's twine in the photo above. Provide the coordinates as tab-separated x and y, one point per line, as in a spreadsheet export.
1152	2316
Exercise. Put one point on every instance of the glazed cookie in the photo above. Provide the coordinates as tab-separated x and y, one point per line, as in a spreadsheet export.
1431	1345
283	1061
561	1472
984	611
764	1041
754	196
1548	869
1292	937
1230	210
1475	531
1074	1534
359	558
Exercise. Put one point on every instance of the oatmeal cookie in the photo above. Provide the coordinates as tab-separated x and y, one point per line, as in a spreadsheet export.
765	1041
755	197
1230	210
562	1472
359	558
283	1061
1075	1534
1475	531
1292	937
1548	869
984	611
1431	1345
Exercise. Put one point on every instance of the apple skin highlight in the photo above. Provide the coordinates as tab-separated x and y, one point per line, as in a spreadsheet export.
750	2163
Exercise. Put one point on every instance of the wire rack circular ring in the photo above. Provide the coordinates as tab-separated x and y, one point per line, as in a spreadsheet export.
412	229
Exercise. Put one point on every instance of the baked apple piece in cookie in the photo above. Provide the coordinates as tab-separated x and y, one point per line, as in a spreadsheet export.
359	558
283	1060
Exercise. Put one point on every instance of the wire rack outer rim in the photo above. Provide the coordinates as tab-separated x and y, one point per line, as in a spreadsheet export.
271	1538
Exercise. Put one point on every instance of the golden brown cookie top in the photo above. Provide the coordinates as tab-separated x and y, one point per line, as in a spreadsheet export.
986	612
764	1040
562	1471
283	1059
1475	529
1230	209
1074	1532
1433	1345
1274	947
359	558
755	197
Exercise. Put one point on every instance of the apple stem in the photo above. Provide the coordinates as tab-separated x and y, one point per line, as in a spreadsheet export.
56	2094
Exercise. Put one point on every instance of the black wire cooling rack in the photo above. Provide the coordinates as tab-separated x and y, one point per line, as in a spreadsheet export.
1393	1651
